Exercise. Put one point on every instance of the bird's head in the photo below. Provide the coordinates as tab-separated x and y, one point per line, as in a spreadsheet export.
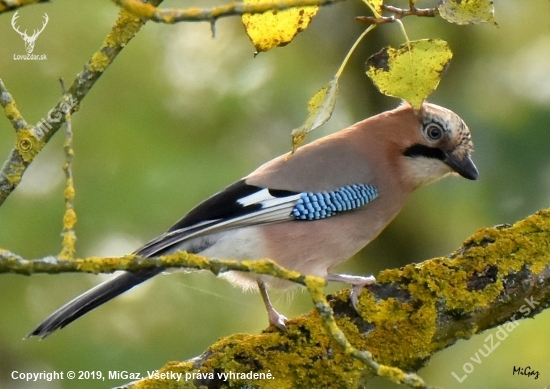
441	145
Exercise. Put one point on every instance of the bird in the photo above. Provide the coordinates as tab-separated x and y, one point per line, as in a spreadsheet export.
308	211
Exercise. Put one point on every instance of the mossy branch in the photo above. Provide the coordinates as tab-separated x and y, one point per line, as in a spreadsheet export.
15	4
69	218
10	262
30	140
500	275
236	8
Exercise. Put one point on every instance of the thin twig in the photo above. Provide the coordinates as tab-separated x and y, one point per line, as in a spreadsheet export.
69	218
10	109
170	16
9	5
398	13
401	13
31	140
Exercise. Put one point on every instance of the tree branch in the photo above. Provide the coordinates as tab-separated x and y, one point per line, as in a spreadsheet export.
10	262
69	218
10	5
500	275
170	16
398	14
10	109
31	140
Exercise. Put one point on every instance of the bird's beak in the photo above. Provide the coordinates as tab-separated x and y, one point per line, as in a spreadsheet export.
465	166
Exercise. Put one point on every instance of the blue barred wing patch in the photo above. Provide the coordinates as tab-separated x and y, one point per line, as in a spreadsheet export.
243	205
314	206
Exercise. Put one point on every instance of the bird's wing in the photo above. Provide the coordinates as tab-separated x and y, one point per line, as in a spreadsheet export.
242	205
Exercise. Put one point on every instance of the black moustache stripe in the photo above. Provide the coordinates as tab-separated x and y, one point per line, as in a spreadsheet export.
419	150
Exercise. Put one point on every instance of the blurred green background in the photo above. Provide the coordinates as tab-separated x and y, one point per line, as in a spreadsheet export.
179	115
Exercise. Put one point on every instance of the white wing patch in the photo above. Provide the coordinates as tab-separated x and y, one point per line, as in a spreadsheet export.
261	207
270	210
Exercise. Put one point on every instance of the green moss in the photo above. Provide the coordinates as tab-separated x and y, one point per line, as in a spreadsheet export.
11	111
15	178
195	261
124	29
27	145
401	331
69	190
98	265
99	62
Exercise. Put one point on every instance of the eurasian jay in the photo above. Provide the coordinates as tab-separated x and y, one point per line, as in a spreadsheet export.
311	211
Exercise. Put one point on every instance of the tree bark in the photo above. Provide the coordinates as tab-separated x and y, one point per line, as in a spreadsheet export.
499	275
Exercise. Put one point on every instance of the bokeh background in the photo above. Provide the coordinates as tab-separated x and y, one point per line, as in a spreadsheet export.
180	115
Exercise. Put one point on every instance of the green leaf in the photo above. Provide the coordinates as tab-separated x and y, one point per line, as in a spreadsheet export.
410	72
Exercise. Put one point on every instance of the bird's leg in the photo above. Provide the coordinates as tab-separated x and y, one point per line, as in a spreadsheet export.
275	318
357	283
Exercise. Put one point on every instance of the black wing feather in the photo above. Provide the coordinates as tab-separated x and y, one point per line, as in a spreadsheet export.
222	205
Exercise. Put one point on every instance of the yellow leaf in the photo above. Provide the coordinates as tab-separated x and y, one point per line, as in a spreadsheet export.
319	109
467	11
410	72
276	28
376	5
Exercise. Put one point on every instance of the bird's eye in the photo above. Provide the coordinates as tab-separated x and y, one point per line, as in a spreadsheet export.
434	131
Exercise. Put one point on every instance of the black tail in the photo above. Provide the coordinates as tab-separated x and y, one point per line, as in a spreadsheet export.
92	299
79	306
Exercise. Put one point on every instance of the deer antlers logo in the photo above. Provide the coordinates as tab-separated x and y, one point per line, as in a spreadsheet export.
29	40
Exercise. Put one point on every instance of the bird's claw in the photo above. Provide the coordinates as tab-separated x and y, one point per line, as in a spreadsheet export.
357	283
277	320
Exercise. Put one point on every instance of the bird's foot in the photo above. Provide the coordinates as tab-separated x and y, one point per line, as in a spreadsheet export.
357	283
277	320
